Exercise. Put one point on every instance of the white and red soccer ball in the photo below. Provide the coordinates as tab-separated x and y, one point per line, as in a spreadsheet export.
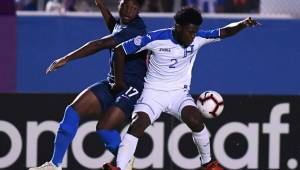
210	103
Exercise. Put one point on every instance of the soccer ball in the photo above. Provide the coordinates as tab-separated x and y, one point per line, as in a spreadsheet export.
210	103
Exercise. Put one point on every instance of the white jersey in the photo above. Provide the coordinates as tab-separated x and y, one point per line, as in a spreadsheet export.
170	64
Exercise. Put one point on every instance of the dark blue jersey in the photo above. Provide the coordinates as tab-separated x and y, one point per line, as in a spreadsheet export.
135	65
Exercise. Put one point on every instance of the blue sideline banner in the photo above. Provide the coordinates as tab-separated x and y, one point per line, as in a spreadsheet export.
262	60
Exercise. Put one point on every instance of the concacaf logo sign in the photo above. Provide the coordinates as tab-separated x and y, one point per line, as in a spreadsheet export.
268	143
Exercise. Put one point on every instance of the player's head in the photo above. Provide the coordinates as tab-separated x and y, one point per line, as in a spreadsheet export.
129	9
187	23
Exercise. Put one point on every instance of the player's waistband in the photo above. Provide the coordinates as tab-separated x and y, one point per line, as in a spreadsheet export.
166	87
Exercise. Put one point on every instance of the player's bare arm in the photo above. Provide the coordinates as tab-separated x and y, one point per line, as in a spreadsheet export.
236	27
107	16
110	22
119	62
86	50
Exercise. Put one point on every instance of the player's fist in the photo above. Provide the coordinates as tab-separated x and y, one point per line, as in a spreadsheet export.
56	64
98	2
250	22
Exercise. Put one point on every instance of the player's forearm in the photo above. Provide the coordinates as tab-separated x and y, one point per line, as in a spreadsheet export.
84	51
119	63
107	16
91	47
232	29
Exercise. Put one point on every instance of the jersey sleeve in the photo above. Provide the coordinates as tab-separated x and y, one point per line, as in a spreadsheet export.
127	34
136	44
209	36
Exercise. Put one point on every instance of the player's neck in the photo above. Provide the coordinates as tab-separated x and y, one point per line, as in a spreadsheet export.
175	37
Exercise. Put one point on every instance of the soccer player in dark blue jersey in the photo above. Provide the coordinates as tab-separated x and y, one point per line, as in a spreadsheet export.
114	102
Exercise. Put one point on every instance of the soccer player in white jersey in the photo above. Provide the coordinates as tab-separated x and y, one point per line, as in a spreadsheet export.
166	87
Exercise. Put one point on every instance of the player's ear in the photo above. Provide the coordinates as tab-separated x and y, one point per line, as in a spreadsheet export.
178	27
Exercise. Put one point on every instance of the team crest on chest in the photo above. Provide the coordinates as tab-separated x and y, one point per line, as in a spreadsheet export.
137	40
188	50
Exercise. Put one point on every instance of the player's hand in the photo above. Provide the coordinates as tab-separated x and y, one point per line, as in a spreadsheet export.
99	2
250	22
56	64
118	86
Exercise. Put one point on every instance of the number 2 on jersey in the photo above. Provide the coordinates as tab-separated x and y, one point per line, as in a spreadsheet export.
174	62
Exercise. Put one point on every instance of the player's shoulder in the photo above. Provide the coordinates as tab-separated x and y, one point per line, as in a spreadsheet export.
161	34
138	22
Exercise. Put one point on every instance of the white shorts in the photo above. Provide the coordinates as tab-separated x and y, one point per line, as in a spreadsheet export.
154	102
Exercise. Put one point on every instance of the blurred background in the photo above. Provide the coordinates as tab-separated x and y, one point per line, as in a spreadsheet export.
288	7
256	72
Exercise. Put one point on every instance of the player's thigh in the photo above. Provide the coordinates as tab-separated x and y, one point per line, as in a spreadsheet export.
120	109
185	109
93	100
180	100
151	102
191	116
126	100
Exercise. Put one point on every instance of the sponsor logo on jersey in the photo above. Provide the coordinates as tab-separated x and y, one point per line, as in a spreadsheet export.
165	49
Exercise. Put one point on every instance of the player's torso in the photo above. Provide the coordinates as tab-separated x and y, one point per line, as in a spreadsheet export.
171	59
170	64
135	67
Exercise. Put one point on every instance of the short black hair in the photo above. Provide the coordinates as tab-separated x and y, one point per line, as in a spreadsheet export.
140	2
188	15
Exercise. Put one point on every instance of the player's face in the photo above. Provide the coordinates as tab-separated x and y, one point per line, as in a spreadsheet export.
128	10
186	33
